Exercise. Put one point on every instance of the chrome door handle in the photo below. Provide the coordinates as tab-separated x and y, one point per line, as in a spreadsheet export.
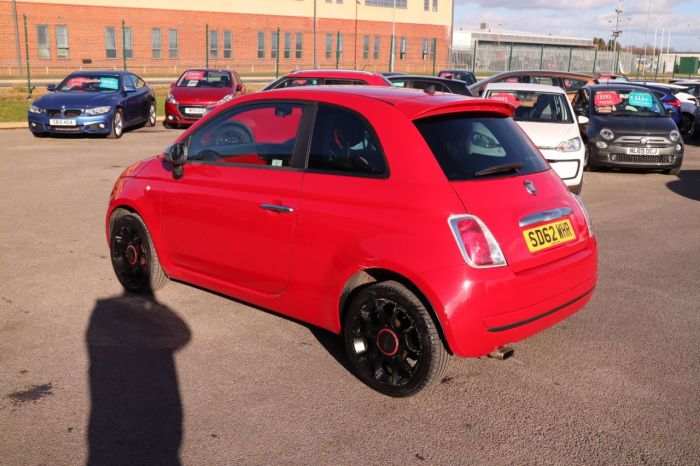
282	209
545	216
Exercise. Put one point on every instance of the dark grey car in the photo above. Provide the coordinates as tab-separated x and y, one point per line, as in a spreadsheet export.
627	126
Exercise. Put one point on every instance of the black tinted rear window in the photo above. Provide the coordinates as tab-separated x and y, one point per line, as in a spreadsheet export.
478	147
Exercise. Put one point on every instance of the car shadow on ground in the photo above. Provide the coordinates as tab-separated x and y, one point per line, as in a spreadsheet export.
136	410
687	184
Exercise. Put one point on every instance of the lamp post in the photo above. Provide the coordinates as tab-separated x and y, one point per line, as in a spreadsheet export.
393	36
315	28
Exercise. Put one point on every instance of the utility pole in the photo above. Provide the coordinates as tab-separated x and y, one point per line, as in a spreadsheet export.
393	37
315	33
617	31
357	2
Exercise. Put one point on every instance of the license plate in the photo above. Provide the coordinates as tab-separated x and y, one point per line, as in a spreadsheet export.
643	150
551	234
195	111
61	122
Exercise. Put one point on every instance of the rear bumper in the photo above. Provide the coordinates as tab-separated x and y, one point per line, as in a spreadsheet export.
481	310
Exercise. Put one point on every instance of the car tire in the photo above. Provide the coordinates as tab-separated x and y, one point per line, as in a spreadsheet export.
133	255
687	124
576	189
151	121
117	125
588	164
391	340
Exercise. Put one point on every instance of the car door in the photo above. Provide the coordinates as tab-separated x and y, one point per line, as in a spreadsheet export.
144	98
231	217
132	101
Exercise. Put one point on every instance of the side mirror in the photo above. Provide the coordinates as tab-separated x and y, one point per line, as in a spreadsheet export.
51	87
239	87
176	155
582	120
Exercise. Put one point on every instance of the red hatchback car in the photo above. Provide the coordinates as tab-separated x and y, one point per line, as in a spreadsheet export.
197	90
328	78
415	225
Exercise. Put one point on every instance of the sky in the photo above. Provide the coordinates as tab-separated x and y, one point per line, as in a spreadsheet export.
588	19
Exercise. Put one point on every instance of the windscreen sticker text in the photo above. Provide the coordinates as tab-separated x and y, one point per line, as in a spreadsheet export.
194	75
506	98
640	99
108	82
606	98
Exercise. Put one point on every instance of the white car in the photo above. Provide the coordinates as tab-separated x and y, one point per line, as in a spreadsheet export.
546	116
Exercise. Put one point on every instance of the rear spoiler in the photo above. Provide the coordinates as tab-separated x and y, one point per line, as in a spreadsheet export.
469	106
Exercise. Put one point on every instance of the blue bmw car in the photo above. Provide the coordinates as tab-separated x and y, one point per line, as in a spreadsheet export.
94	102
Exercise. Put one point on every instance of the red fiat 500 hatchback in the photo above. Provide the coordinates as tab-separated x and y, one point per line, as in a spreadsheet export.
415	225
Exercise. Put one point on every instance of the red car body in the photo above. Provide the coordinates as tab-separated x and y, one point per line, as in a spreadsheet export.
342	231
328	77
189	99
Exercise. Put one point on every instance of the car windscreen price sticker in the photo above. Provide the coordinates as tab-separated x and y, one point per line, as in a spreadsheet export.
606	98
109	82
640	99
194	75
506	98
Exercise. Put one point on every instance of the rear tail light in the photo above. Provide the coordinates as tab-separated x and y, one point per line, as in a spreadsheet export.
580	203
476	242
674	102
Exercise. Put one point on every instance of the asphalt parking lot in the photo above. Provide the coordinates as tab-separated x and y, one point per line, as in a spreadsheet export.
89	374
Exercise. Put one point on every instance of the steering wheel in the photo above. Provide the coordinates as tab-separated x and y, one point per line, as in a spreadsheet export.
233	133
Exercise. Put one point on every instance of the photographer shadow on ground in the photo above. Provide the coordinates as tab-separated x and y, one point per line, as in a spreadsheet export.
136	411
687	184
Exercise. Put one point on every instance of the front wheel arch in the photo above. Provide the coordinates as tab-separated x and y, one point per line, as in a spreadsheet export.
366	277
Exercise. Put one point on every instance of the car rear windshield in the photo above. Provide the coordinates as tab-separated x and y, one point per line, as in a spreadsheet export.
471	146
197	78
536	106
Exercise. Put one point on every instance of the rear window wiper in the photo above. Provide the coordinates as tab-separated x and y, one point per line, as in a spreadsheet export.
503	168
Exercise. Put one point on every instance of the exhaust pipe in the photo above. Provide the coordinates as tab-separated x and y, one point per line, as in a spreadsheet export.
502	353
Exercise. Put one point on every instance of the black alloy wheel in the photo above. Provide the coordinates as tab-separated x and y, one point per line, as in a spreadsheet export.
392	341
133	256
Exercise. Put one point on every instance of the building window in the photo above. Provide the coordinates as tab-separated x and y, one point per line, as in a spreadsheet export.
426	5
387	3
274	44
228	46
128	44
261	45
213	43
365	48
425	49
435	5
62	41
433	46
377	43
339	48
155	43
42	31
287	45
299	45
110	43
172	43
329	46
402	50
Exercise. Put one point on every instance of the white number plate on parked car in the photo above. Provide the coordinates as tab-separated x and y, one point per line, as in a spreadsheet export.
643	150
195	111
61	122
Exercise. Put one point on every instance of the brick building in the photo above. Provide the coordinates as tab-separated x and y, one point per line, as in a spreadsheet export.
165	36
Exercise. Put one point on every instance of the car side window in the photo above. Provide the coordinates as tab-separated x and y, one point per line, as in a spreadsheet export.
344	142
438	87
129	82
344	82
546	80
571	84
139	82
295	82
262	134
580	102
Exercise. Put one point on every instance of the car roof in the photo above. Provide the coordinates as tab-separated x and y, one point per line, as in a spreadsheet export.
99	73
428	78
525	87
674	86
615	85
413	103
543	73
207	69
329	73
